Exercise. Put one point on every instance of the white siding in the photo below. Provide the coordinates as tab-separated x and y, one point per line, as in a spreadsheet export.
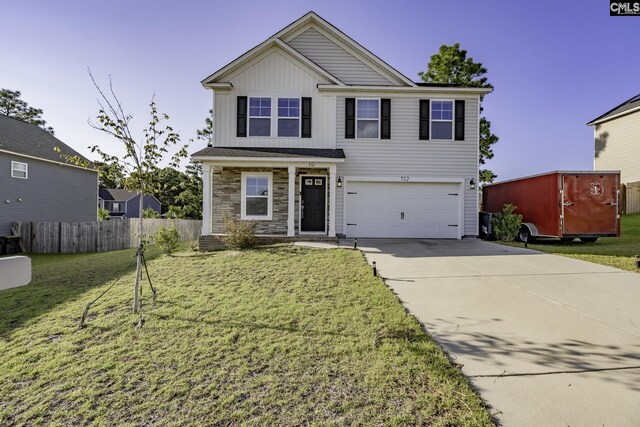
336	60
271	74
405	155
618	146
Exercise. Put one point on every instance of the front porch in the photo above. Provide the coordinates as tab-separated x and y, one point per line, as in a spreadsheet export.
289	193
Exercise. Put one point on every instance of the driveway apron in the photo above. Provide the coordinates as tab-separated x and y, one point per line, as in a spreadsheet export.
547	340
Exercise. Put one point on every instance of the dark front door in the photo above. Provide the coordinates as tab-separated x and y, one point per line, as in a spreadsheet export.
313	203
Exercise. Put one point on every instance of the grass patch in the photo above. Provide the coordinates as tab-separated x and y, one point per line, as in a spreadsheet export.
612	251
279	335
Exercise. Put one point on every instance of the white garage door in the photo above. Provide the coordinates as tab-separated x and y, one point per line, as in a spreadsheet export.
402	209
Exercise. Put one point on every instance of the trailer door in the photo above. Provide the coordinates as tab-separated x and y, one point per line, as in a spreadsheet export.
590	204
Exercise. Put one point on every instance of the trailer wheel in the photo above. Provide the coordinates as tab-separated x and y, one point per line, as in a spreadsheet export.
567	239
524	235
588	239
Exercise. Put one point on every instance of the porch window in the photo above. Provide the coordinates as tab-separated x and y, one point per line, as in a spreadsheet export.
367	118
19	170
259	116
289	117
257	198
442	120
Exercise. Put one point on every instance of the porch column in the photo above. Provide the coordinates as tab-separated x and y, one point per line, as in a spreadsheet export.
291	215
206	199
332	201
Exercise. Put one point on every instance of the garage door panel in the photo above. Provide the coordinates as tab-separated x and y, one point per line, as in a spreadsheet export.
393	209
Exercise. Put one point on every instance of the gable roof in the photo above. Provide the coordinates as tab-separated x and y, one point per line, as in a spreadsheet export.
117	194
120	194
292	29
30	140
630	105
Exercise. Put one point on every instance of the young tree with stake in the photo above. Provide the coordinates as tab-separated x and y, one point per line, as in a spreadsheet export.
142	155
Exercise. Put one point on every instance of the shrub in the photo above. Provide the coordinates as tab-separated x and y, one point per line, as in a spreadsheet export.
102	214
167	239
240	234
150	213
506	224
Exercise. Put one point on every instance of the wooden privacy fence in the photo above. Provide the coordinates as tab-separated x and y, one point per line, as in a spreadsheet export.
631	191
99	236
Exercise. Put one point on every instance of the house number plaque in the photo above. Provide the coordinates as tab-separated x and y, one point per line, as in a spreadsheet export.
404	179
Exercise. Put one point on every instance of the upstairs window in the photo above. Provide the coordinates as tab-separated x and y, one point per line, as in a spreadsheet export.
442	120
19	170
289	117
259	116
367	118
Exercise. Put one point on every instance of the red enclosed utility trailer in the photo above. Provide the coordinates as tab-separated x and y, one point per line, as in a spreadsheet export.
564	204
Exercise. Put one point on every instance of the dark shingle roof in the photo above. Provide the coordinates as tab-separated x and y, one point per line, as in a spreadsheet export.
269	152
625	106
24	138
117	194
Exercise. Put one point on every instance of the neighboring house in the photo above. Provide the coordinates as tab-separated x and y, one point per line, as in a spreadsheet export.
315	135
36	184
125	203
617	140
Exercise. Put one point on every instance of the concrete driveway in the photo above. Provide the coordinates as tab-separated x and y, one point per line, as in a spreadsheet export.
547	340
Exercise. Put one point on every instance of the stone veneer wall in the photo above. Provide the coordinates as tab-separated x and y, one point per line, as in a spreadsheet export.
226	192
226	189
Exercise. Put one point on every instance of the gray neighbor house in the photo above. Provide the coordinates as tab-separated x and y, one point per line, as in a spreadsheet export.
36	184
125	203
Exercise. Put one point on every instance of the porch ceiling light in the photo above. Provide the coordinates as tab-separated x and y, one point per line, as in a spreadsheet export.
339	182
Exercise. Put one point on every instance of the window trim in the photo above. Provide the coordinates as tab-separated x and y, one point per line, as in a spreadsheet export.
379	118
273	124
243	196
299	118
249	117
13	170
452	121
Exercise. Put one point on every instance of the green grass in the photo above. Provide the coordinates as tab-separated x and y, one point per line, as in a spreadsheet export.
279	335
612	251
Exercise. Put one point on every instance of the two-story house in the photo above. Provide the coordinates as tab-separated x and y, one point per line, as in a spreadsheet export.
315	135
36	182
617	140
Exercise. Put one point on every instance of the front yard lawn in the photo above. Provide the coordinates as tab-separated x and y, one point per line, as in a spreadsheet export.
279	335
615	252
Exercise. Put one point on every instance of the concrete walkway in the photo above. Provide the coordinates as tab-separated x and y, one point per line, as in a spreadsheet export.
547	340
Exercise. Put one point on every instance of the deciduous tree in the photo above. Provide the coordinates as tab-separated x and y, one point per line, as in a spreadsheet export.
143	155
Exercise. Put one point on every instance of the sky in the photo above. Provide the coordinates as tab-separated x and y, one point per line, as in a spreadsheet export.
555	65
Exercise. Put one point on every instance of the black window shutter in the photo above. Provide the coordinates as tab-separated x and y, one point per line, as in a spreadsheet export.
424	118
242	117
385	119
459	120
306	117
350	118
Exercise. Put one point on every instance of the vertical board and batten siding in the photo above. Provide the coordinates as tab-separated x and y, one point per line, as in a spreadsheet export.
405	155
51	192
618	146
336	60
97	236
273	74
